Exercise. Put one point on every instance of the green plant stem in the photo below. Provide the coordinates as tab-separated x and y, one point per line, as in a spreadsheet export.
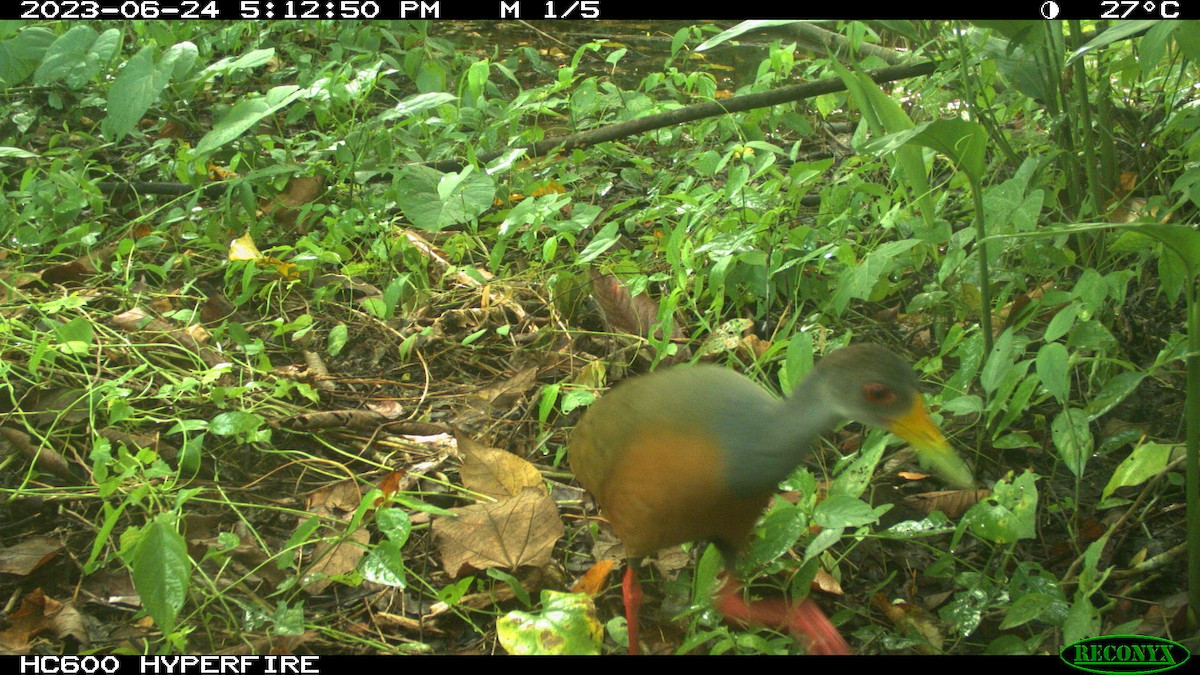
985	280
1192	408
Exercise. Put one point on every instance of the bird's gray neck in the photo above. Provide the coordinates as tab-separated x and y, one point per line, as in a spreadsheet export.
786	436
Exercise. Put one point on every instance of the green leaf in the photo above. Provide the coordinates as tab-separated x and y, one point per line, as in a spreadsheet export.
161	570
1073	439
1009	514
1026	608
245	115
855	479
960	141
998	364
1120	31
1052	368
605	239
395	524
384	564
1061	324
741	29
21	54
842	511
860	280
136	88
1145	462
778	531
1113	392
566	625
77	56
339	335
433	200
416	104
235	422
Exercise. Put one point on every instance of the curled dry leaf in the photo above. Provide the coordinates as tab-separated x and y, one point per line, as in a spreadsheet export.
38	614
595	579
953	503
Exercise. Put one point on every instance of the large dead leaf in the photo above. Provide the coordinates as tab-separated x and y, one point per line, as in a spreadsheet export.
338	501
495	472
28	555
38	614
518	531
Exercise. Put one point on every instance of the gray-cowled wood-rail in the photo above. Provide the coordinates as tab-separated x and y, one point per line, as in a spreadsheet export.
695	453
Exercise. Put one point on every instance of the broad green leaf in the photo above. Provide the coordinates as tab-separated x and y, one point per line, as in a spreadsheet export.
1145	462
884	115
245	115
1061	324
1026	608
384	564
136	88
434	201
1073	439
235	422
605	239
843	511
998	364
1052	368
860	280
251	59
21	54
1119	31
779	530
161	570
566	625
741	29
415	104
1113	392
77	56
960	141
1009	514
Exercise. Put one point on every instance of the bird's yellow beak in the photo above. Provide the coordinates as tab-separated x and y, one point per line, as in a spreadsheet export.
934	451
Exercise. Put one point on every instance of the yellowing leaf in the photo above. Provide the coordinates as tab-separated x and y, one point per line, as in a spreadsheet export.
243	248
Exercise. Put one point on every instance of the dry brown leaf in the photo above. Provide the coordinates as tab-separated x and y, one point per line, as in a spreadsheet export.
622	311
495	472
284	208
78	269
518	531
824	581
340	556
38	614
910	618
44	457
953	503
505	394
334	419
30	554
336	558
595	579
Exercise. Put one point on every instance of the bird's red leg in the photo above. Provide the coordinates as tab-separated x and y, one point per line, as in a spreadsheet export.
631	591
804	621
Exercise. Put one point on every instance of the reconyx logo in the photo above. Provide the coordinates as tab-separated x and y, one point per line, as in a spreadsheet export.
1124	654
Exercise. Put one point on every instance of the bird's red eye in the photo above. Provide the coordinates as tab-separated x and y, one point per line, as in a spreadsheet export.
878	393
